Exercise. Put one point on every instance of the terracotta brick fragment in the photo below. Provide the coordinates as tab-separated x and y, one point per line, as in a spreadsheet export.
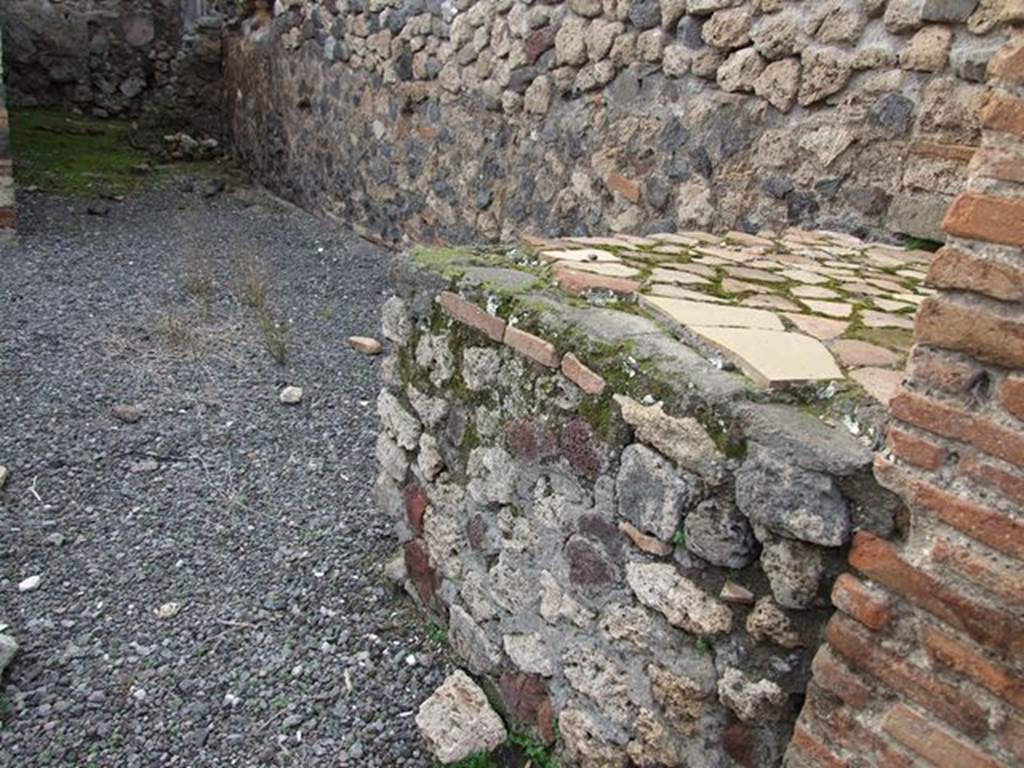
1004	581
953	422
1009	484
832	675
415	505
992	219
916	450
649	544
531	346
1003	112
860	648
526	698
417	564
470	314
879	560
8	218
1011	395
965	660
990	331
578	281
869	606
581	376
956	152
626	187
814	752
936	744
961	270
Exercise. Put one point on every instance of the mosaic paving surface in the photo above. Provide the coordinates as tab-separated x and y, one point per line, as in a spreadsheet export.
787	307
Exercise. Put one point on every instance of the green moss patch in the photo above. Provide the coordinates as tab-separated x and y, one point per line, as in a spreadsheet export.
74	155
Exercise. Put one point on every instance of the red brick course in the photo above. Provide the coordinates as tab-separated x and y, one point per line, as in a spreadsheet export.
868	606
992	219
1011	395
860	648
879	560
1003	581
989	332
832	675
961	658
953	422
533	347
960	270
470	314
916	450
933	742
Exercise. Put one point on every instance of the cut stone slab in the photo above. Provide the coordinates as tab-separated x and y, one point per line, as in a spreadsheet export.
853	352
829	308
881	383
692	313
675	292
804	276
873	319
814	292
579	254
770	301
457	721
819	327
732	285
889	305
698	269
774	357
749	273
608	268
677	277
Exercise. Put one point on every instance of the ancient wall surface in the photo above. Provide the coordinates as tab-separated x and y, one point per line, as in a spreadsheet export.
622	533
113	58
465	119
925	657
8	208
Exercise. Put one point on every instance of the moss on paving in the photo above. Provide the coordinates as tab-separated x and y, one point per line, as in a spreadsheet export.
74	155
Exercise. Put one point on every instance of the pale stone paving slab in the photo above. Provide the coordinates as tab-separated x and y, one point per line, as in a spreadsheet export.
774	357
691	313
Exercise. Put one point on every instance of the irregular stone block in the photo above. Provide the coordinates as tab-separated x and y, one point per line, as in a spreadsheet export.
794	571
651	494
683	440
471	642
718	533
398	422
753	702
792	501
682	602
457	721
768	622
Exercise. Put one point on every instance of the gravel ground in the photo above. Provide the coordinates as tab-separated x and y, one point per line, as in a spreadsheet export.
256	518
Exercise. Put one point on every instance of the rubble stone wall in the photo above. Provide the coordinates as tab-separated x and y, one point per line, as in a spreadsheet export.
630	546
8	208
113	58
925	657
459	120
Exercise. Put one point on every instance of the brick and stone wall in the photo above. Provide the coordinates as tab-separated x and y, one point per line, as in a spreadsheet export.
924	661
460	120
621	532
8	207
112	58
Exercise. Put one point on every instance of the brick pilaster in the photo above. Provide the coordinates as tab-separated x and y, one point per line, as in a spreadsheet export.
924	658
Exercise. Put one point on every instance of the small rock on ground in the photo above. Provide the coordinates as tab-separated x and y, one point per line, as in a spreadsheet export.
365	344
291	395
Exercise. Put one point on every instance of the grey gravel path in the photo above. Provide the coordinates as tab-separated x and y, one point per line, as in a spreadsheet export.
290	647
